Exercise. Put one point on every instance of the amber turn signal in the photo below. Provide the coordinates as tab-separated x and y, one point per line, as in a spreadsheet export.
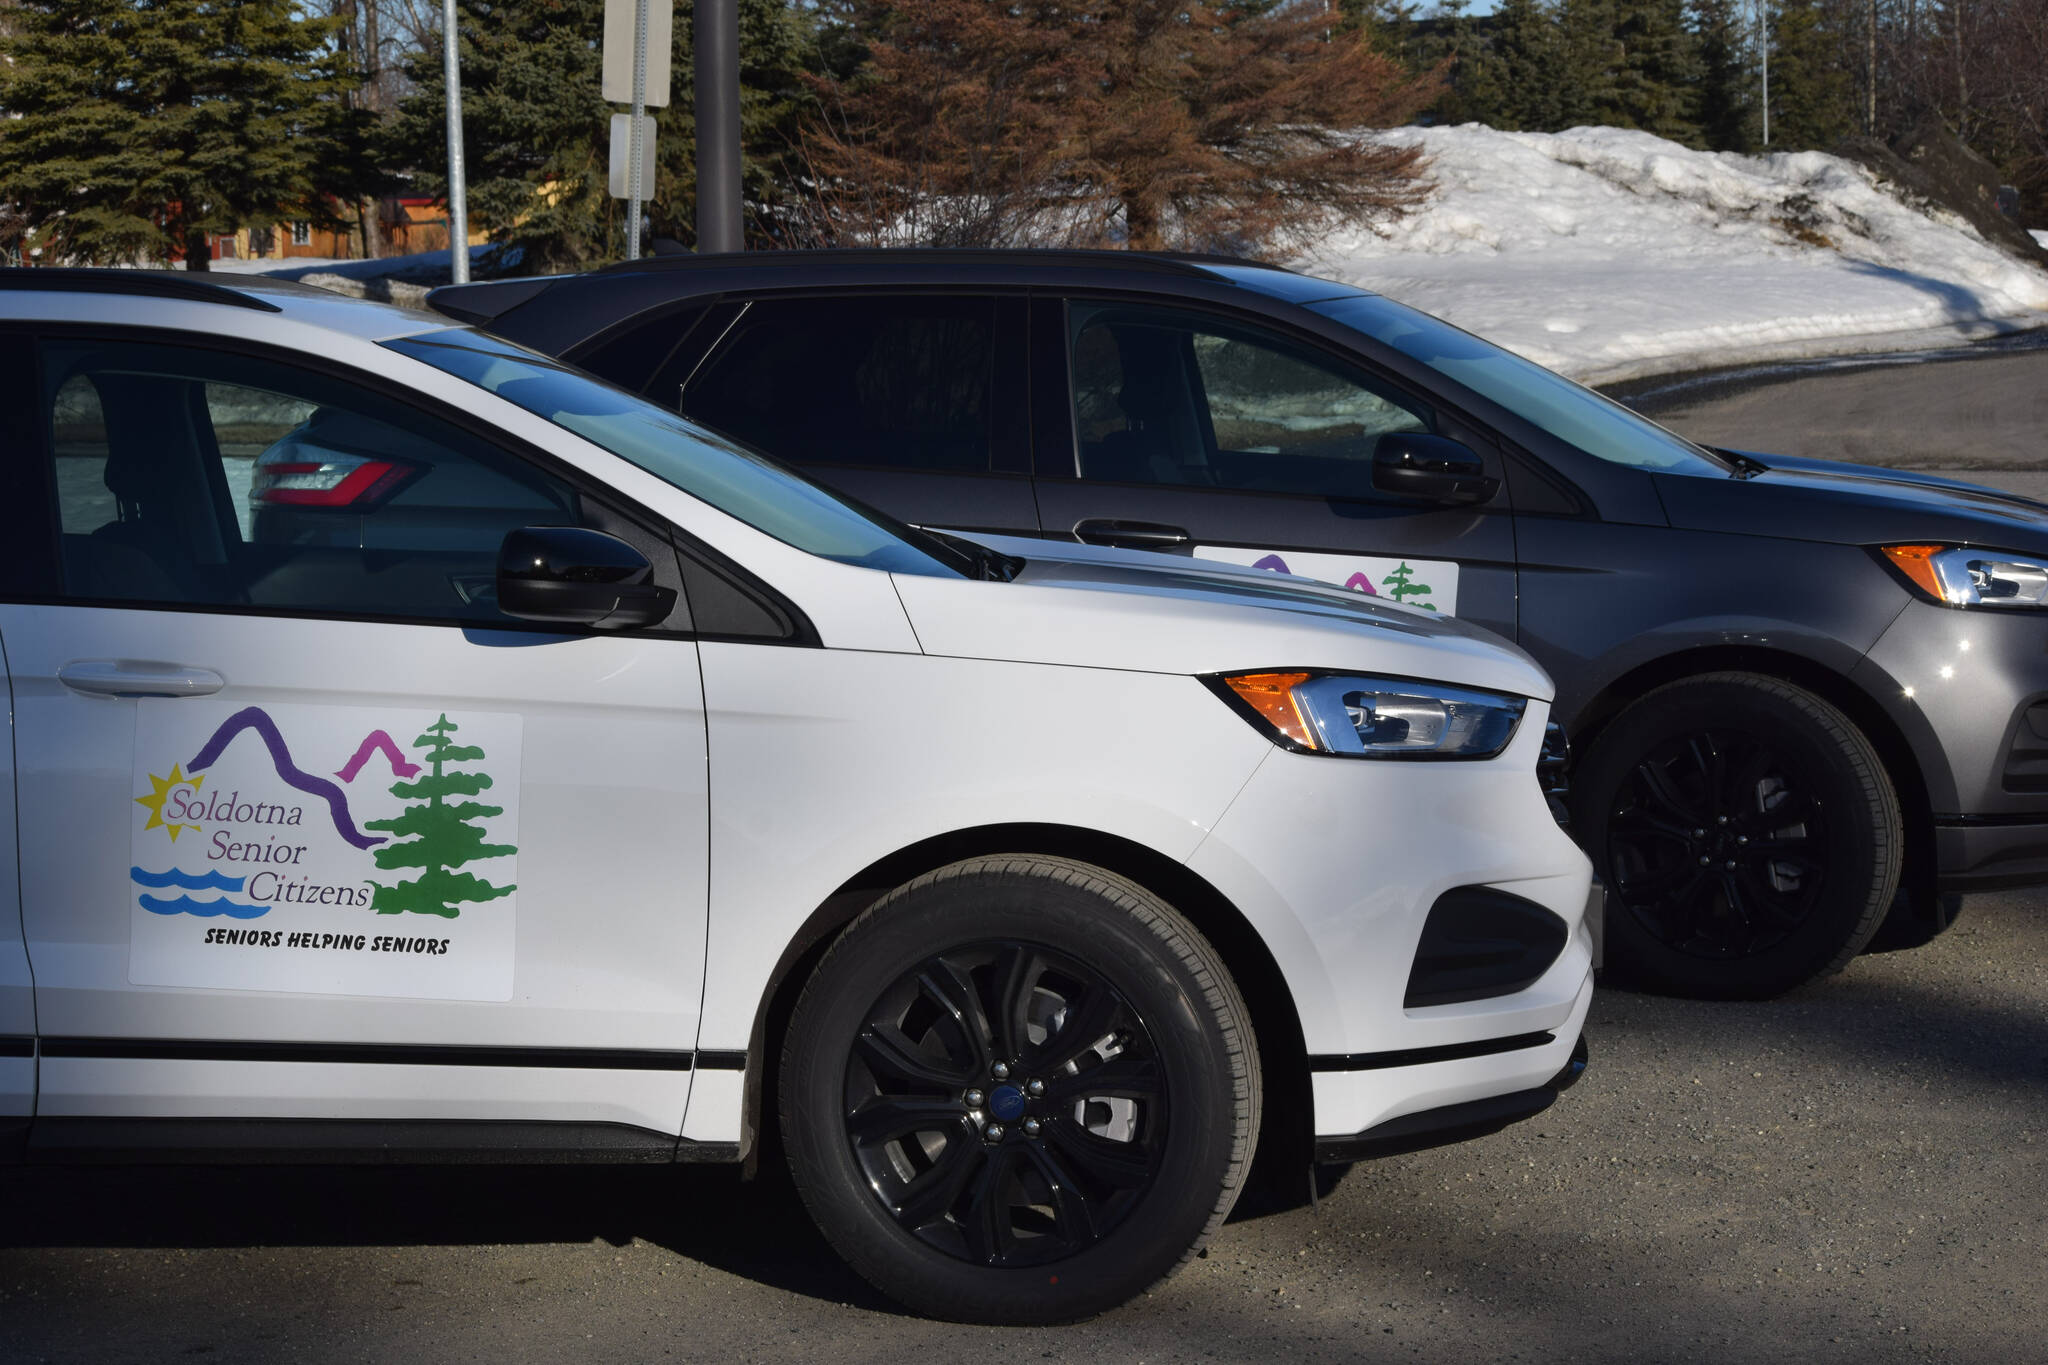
1916	562
1272	696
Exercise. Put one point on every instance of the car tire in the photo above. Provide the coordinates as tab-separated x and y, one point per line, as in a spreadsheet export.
1119	1153
1748	835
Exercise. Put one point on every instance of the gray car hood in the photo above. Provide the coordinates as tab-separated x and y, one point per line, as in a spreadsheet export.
1850	504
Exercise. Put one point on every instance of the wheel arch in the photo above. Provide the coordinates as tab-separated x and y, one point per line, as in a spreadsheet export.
1901	761
1276	1022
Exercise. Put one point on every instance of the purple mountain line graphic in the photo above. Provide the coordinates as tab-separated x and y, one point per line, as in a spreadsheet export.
1363	584
373	743
1275	563
257	719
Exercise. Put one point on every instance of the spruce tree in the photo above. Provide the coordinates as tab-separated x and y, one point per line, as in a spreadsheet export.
1656	83
1727	88
1589	64
443	834
537	129
1514	77
1813	95
137	127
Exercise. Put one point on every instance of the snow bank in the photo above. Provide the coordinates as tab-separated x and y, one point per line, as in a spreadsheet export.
1609	254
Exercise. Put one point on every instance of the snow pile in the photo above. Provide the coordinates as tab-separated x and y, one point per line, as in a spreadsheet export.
1607	254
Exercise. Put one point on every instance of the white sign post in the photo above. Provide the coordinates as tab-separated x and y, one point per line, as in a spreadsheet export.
638	40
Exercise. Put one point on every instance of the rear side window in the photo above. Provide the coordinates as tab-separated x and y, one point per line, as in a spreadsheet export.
1164	397
899	383
189	477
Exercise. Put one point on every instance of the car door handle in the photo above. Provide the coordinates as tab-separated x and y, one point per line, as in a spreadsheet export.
138	678
1135	535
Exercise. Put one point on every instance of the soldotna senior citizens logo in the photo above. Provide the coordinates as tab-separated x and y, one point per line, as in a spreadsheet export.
275	846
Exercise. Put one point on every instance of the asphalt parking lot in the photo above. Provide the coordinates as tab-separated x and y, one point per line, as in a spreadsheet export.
1856	1172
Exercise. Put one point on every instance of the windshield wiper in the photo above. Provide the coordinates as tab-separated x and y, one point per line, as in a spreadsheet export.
991	565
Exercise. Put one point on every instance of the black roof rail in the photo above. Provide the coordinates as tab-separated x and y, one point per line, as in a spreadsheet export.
1156	262
159	284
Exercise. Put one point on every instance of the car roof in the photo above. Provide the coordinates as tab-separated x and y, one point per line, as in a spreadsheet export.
209	290
557	312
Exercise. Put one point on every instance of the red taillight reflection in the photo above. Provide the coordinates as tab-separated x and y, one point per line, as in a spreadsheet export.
310	483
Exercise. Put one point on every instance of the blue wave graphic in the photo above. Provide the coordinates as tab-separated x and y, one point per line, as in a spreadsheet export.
212	880
185	905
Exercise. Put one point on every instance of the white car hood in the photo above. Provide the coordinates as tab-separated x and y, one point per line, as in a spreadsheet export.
1096	608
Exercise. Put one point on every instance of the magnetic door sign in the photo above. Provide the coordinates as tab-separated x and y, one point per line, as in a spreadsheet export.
329	850
1431	584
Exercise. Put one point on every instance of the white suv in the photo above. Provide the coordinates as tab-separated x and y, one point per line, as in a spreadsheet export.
423	750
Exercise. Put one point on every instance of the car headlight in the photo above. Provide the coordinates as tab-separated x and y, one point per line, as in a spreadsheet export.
1348	716
1962	577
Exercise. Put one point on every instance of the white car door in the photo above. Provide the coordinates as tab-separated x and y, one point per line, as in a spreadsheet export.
308	829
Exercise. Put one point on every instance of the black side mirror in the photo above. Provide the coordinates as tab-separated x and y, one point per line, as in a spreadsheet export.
1414	464
575	576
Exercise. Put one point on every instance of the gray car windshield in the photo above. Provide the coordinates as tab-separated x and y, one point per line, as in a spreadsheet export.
1571	412
763	494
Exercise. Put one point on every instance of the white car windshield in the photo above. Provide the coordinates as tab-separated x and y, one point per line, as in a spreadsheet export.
1571	412
765	495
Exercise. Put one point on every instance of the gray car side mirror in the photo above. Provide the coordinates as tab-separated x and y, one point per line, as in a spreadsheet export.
1415	464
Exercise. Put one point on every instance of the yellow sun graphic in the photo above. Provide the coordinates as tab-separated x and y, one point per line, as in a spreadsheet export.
154	802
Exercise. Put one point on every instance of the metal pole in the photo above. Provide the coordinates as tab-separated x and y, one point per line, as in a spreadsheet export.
1763	20
634	189
718	126
458	207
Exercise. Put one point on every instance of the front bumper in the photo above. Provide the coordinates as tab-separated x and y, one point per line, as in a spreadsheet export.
1989	853
1453	1122
1337	864
1968	690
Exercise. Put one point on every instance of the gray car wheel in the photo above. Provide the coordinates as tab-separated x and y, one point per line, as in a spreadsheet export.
1747	832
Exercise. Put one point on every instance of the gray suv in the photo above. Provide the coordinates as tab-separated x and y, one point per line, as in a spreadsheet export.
1810	699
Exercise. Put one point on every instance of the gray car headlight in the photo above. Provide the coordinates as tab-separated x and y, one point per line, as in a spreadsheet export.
1348	716
1963	577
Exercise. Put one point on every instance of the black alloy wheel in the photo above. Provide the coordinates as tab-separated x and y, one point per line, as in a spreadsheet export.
1019	1089
1717	844
1006	1104
1747	832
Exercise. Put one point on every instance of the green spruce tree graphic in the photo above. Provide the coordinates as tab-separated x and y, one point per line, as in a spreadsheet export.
1404	587
444	833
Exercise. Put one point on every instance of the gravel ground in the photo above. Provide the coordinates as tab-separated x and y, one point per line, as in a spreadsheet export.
1856	1172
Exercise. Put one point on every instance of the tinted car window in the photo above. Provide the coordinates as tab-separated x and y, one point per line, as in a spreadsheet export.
1170	398
738	482
188	477
1571	412
901	383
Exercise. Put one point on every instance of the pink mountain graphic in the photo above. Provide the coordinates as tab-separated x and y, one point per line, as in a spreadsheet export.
378	742
1279	565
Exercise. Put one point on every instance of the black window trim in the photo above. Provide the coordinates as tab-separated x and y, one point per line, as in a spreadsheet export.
802	632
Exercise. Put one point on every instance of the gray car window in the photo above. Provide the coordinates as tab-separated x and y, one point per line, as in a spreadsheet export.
1166	397
1571	412
756	490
